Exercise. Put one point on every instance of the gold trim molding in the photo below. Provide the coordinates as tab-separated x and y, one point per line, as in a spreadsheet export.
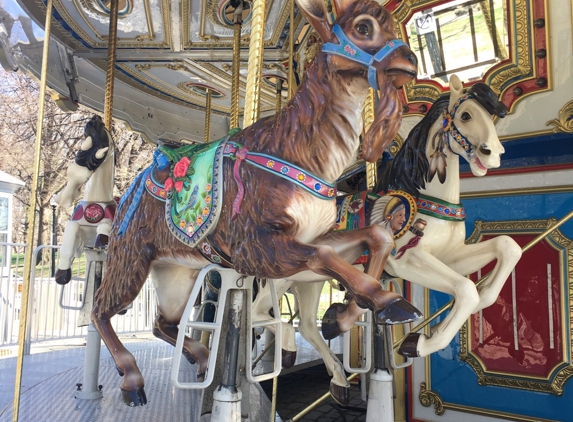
564	123
561	376
429	397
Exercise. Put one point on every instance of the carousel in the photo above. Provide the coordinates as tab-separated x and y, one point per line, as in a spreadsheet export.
416	153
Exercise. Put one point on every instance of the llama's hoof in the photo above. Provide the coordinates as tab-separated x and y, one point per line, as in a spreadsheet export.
134	398
399	311
101	241
409	347
201	377
288	358
341	395
63	276
330	328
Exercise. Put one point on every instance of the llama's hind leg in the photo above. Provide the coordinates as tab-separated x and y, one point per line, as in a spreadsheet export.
121	284
173	285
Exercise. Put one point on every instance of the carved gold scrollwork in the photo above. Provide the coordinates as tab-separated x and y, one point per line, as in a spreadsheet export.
565	121
142	67
396	145
429	397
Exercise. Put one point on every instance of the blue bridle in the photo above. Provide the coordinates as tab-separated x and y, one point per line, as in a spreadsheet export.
351	51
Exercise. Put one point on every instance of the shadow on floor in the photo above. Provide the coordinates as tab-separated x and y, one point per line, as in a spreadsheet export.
297	390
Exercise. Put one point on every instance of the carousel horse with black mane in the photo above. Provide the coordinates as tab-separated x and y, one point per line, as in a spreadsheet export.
262	199
94	167
429	249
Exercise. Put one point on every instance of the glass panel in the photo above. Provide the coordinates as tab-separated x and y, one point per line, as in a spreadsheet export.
457	37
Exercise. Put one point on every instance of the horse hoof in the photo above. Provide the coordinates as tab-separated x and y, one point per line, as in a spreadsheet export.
409	347
330	328
101	241
201	377
341	395
398	312
63	276
134	398
288	358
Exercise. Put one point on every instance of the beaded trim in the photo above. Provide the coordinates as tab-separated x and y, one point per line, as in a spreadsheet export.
441	209
286	170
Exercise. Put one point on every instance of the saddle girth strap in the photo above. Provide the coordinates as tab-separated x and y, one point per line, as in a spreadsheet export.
278	167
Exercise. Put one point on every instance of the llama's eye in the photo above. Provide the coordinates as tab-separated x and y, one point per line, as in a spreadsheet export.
364	28
466	116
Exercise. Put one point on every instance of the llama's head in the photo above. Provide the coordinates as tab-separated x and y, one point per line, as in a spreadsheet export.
360	41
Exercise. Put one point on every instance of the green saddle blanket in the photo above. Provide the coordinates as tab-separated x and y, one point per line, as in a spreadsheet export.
194	190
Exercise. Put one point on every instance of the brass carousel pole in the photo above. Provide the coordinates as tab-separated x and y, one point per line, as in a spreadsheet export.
255	65
32	215
109	77
291	80
368	114
208	116
236	63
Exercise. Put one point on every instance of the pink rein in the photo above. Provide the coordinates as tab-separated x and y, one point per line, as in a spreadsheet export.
240	156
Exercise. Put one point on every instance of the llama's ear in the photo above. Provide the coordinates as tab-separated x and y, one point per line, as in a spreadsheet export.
317	15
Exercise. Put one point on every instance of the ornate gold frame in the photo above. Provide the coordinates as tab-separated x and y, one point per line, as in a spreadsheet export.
504	76
511	380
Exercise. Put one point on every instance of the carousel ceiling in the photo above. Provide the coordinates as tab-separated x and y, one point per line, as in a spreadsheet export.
169	52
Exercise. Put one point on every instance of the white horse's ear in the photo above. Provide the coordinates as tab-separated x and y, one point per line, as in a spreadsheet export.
87	144
101	153
456	89
316	13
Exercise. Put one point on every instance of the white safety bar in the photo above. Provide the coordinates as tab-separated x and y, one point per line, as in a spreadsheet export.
230	279
366	325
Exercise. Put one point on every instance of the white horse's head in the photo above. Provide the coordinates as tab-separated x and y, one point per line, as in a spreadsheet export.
93	152
472	134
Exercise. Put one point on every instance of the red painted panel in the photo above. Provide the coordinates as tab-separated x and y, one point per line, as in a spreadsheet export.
532	352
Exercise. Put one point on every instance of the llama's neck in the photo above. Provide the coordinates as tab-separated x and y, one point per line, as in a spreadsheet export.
449	190
319	128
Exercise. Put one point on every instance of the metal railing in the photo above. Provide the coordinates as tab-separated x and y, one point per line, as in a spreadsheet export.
47	320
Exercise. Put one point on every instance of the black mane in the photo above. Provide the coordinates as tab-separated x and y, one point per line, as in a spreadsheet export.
410	166
96	129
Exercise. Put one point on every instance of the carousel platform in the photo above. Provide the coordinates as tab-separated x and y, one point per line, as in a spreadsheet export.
53	369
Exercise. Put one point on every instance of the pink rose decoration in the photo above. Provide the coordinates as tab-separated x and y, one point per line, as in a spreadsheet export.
178	186
180	169
168	184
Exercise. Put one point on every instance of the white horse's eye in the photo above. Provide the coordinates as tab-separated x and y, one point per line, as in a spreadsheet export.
466	116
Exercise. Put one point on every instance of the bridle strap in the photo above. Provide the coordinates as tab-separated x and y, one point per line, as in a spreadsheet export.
450	128
346	48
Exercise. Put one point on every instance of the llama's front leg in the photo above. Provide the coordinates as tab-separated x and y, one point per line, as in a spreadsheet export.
388	307
339	317
67	251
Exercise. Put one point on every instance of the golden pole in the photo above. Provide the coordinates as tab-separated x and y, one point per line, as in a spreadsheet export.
291	80
255	65
279	104
109	77
208	116
274	399
236	63
32	215
368	114
481	280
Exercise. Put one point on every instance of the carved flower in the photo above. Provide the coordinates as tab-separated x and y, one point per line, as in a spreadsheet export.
180	169
179	185
206	211
168	184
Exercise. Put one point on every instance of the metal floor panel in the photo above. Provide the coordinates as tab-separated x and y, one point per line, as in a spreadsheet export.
49	379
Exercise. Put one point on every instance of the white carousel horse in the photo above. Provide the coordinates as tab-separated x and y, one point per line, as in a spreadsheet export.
438	258
94	167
